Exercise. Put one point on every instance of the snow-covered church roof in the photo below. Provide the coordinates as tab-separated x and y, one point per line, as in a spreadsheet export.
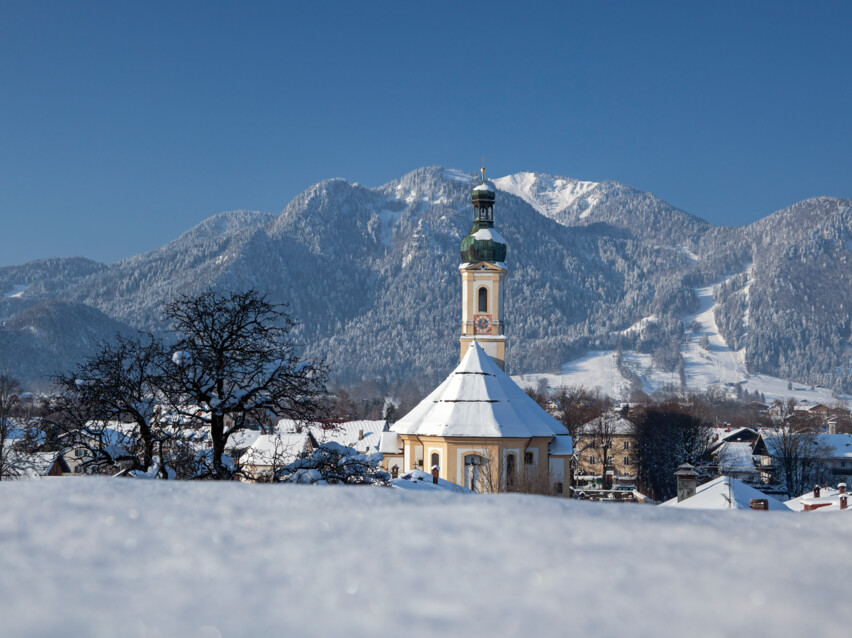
478	399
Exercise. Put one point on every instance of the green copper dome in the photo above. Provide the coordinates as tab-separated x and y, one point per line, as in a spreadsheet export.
483	243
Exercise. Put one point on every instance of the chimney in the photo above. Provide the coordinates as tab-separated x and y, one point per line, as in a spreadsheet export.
435	470
686	482
816	491
360	435
843	501
759	504
841	488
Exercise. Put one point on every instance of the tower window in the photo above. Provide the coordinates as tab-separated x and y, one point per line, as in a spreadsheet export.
483	299
435	460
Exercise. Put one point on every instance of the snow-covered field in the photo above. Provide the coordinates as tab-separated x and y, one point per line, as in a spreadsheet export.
109	557
719	366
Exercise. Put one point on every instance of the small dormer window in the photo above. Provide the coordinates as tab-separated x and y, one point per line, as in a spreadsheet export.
483	299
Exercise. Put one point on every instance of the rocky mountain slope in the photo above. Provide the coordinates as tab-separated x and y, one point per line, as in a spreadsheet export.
372	276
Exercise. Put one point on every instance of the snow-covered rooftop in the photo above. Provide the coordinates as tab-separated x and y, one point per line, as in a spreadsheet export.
275	449
363	436
478	399
484	234
725	493
390	443
828	496
32	464
612	423
836	446
735	456
561	445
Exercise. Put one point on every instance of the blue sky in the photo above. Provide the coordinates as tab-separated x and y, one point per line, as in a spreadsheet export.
124	124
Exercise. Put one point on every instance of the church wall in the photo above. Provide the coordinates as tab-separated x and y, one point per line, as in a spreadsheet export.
452	452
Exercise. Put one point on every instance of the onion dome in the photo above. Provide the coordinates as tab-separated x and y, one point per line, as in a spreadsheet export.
483	243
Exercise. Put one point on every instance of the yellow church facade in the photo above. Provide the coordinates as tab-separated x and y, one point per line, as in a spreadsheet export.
479	429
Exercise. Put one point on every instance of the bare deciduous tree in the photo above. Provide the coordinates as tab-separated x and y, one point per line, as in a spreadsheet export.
235	357
799	459
598	436
10	391
111	406
578	405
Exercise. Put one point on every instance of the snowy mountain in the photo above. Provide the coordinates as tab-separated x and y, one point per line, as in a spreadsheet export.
594	267
573	202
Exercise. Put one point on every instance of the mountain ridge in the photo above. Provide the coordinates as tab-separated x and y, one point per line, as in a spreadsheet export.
371	274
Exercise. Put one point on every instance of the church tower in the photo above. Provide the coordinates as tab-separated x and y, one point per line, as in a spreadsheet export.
483	251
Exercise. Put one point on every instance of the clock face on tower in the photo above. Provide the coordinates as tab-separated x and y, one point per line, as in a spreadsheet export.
481	324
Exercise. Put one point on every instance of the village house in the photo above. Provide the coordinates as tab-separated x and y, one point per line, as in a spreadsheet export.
822	498
733	454
833	450
609	439
268	453
722	493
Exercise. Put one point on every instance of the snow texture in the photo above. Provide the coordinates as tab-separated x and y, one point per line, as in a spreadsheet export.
363	436
420	480
109	557
181	358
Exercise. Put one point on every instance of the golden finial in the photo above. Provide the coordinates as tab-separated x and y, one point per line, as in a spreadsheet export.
482	170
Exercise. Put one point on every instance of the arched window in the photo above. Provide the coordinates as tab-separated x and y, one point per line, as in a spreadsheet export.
511	471
473	472
483	299
435	460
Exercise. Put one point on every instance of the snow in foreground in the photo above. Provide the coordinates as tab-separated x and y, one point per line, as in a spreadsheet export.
101	557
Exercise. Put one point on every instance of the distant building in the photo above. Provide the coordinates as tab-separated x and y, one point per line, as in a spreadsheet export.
727	493
619	436
268	453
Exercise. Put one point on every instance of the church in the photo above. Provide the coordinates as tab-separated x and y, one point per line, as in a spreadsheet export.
479	428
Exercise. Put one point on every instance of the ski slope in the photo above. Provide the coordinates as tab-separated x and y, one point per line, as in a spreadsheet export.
720	366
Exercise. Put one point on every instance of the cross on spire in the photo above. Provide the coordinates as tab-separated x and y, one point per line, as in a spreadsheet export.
482	170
